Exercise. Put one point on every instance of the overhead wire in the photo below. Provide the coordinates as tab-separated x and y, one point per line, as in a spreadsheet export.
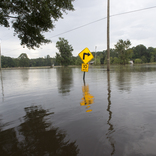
128	12
103	19
79	27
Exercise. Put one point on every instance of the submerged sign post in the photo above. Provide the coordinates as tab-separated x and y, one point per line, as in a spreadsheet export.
85	56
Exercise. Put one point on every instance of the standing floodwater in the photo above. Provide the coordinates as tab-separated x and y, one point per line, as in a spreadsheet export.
54	112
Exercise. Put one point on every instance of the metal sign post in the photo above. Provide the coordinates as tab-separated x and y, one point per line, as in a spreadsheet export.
84	76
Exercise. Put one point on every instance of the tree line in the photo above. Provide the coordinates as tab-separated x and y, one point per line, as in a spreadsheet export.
37	62
121	54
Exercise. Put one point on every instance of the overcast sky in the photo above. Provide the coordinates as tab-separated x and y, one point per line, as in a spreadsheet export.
139	27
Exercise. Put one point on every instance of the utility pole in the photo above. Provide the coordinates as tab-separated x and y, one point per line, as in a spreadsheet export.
95	54
0	54
108	47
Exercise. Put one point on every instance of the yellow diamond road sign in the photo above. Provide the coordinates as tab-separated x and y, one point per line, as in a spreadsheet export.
86	55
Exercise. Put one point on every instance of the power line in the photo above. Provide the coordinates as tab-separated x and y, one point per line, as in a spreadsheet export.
103	19
99	20
79	27
133	11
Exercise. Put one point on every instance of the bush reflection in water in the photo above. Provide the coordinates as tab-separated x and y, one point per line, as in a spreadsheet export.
35	136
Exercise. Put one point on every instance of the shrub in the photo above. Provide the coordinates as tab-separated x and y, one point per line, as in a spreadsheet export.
137	61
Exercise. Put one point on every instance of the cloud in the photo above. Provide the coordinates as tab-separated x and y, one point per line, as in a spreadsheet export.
138	27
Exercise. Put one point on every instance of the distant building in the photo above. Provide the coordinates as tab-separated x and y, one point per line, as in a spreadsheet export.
131	62
91	62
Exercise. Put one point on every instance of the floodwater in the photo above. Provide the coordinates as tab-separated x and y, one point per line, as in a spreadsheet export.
53	112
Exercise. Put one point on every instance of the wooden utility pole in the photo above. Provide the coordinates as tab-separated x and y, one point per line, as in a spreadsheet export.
95	54
0	55
108	49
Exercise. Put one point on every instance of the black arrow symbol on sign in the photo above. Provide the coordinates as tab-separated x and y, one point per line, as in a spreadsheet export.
85	54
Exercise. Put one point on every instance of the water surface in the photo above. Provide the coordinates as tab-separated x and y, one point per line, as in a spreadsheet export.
54	112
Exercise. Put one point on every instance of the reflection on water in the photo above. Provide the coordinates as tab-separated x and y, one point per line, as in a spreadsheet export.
24	74
87	99
122	123
124	79
2	86
36	136
64	79
129	76
111	127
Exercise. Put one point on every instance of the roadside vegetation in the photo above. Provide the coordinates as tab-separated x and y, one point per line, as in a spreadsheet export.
121	54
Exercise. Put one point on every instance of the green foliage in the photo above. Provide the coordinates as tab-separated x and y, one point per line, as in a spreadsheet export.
46	61
121	55
152	52
98	60
7	62
137	61
64	57
116	60
139	51
105	61
144	59
123	52
73	60
23	60
152	59
97	54
145	54
99	57
30	19
78	61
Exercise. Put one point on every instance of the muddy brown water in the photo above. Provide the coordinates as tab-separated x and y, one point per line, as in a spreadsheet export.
53	112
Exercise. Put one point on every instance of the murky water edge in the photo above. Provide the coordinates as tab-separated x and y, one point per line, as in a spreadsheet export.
54	112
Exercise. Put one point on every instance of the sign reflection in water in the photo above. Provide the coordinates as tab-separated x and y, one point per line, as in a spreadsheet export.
123	122
87	99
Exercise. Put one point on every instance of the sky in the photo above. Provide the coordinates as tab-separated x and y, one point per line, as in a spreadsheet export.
139	27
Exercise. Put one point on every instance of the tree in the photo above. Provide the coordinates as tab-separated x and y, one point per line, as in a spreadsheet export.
152	59
116	60
123	52
48	61
23	60
7	62
152	54
140	51
144	59
78	61
32	18
98	60
64	56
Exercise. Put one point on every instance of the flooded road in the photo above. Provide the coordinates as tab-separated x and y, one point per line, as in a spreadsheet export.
54	112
